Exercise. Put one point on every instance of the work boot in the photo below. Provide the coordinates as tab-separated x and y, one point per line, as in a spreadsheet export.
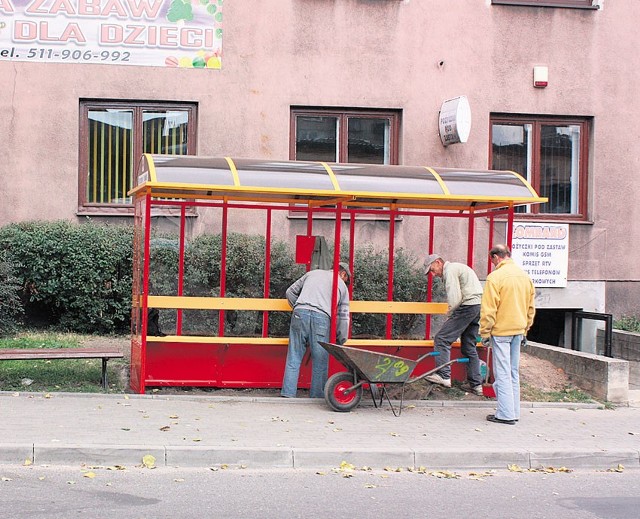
437	379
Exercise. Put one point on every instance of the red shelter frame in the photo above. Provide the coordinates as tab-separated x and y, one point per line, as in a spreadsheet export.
340	191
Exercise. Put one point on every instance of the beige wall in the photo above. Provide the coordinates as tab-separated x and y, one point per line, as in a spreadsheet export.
402	54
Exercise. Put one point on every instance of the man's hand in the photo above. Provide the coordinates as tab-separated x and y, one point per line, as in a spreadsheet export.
523	342
486	341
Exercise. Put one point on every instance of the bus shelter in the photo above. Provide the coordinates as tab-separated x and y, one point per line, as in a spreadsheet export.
184	185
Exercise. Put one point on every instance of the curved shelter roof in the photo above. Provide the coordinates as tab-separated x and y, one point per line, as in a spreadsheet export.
280	181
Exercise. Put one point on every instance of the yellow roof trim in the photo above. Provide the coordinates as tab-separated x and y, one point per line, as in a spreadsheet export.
152	168
444	187
525	182
332	176
234	171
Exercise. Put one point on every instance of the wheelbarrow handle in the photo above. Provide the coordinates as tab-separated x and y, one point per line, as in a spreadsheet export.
437	368
431	354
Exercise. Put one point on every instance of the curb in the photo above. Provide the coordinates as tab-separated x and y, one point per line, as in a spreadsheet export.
471	404
130	456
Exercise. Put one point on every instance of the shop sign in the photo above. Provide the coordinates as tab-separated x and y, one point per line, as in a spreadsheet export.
542	250
161	33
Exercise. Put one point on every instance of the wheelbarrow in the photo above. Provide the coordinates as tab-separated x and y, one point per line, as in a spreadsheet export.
343	391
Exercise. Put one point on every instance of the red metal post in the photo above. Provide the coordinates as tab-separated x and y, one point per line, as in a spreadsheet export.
183	220
309	229
336	260
510	226
470	237
491	229
145	292
352	245
223	267
267	273
427	331
392	228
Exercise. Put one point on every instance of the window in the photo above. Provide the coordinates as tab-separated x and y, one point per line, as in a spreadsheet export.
364	136
577	4
551	153
113	137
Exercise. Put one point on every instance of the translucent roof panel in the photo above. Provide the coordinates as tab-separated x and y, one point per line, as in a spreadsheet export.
283	174
387	179
284	181
192	170
484	183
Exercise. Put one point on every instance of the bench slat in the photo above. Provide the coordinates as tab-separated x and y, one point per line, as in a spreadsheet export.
60	353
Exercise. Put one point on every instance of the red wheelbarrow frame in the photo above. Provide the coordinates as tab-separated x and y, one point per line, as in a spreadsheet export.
343	390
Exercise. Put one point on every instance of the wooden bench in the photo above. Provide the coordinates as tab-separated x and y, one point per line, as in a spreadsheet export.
64	353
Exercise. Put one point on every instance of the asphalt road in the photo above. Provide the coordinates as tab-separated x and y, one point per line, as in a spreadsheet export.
65	492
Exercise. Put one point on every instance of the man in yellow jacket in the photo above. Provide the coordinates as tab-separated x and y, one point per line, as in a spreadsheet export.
506	314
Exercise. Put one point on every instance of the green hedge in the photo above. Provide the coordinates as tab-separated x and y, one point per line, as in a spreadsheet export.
73	277
77	277
11	309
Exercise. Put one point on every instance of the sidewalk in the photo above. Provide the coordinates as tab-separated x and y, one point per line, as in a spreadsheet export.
210	431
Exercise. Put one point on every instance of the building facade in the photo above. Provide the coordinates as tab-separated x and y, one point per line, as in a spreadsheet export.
89	86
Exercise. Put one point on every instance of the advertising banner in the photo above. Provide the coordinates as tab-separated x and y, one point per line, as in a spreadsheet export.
157	33
542	250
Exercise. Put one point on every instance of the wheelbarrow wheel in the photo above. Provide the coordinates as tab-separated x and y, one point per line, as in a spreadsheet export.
336	395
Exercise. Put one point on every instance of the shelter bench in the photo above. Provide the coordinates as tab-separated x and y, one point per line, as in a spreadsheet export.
64	353
282	305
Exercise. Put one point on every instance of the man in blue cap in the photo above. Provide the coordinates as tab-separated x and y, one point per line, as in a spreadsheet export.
310	298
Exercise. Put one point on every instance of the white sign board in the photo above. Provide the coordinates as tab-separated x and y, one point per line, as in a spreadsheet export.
156	33
455	120
542	250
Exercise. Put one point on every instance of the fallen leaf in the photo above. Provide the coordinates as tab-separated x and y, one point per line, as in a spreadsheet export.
346	466
89	475
619	468
149	461
337	429
174	417
224	466
370	486
6	479
515	468
71	482
48	395
321	473
445	474
126	397
196	440
41	478
394	434
124	429
179	480
165	428
27	462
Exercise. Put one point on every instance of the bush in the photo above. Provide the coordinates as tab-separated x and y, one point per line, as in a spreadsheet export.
409	284
11	309
244	278
627	324
75	277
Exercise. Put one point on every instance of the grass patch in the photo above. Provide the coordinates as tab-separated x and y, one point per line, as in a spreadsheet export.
72	375
529	393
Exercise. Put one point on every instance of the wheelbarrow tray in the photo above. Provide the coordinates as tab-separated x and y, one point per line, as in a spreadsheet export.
372	366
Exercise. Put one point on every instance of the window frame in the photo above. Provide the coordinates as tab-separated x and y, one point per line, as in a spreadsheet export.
537	122
137	108
343	114
570	4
